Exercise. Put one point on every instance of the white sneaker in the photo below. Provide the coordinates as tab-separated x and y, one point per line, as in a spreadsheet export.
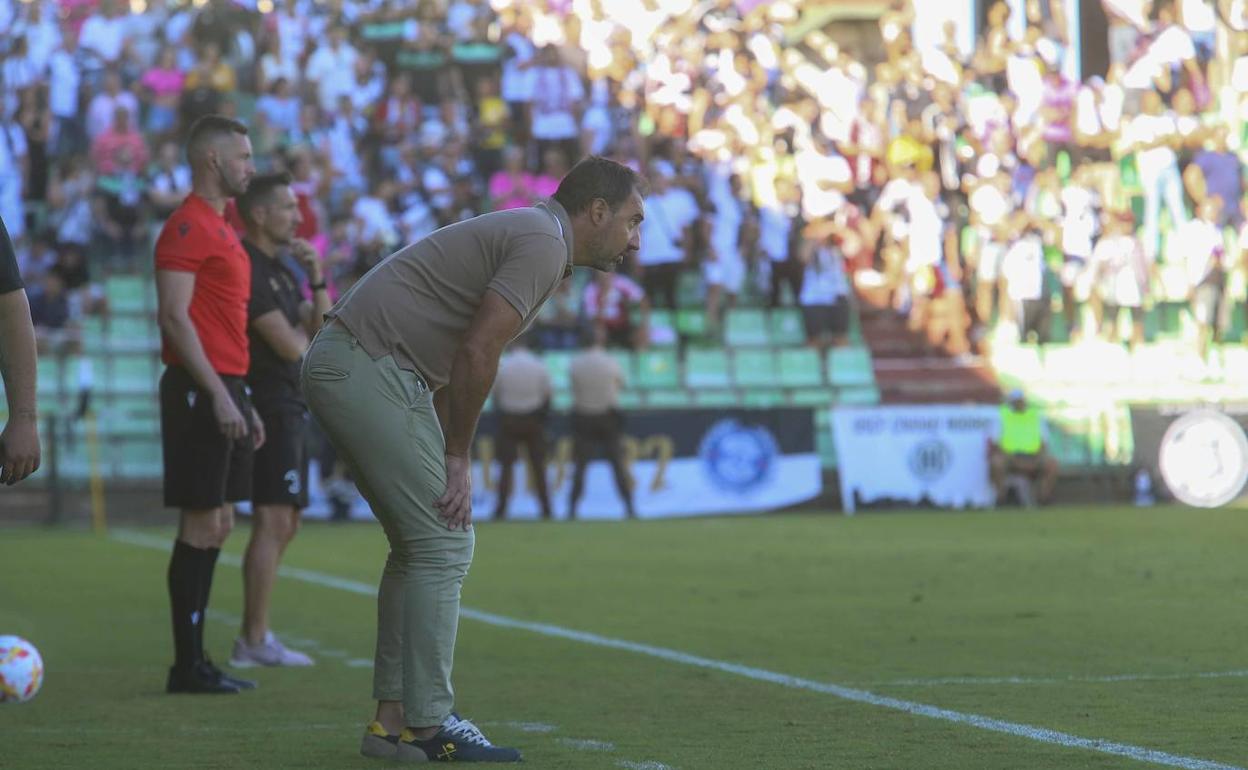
270	652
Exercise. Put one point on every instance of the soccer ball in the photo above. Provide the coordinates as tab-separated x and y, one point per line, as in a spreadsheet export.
21	670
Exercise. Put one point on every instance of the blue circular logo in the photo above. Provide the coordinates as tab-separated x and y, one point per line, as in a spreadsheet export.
930	459
737	457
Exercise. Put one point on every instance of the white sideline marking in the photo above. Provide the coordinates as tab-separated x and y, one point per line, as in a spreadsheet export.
587	744
1239	673
641	765
1030	732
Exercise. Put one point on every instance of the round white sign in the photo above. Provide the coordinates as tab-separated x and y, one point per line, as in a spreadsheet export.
1204	458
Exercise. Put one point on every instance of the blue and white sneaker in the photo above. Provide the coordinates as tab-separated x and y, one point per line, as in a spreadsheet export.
458	740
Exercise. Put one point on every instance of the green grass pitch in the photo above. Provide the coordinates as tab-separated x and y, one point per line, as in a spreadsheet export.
1115	624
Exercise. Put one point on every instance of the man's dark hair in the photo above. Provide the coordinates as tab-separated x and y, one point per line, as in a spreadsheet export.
207	130
596	177
260	192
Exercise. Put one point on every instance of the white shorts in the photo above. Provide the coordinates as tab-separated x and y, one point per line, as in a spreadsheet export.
727	272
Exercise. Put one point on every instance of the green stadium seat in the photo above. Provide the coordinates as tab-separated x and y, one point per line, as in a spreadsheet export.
129	294
689	290
753	368
763	398
139	458
691	322
718	398
663	328
814	397
658	369
93	337
862	395
786	327
746	327
630	399
707	368
668	399
625	359
559	364
850	366
800	367
133	332
128	373
47	376
561	401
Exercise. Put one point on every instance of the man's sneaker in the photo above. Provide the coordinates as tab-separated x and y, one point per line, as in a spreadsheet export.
200	679
242	684
270	652
458	740
378	743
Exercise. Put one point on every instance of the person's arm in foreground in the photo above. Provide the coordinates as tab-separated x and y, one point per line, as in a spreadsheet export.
19	443
472	376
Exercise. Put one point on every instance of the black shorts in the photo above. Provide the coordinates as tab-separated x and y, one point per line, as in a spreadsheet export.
280	471
820	320
203	469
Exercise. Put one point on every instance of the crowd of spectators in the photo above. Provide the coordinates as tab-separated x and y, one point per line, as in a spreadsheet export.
973	186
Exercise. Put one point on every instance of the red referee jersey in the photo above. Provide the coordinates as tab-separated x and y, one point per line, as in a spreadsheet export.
197	239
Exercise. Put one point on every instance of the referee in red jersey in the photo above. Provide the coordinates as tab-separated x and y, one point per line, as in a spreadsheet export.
209	430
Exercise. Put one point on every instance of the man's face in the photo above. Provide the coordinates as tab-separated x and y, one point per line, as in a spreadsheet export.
234	164
619	234
281	216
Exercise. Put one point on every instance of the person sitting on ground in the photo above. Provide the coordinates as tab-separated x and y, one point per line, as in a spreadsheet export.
1021	449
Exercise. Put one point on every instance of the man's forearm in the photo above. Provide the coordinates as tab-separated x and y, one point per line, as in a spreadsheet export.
472	376
321	305
17	355
190	351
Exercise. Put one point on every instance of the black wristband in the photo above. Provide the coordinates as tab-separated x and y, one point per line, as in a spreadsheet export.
317	286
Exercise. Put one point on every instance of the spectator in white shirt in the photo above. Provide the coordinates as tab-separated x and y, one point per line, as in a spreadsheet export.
1152	135
1078	229
103	32
1204	250
64	79
13	170
1023	270
516	89
990	207
104	106
18	72
557	104
1122	274
824	298
670	211
724	268
332	69
169	182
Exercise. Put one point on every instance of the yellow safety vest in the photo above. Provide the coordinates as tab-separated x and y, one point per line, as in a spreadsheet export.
1020	431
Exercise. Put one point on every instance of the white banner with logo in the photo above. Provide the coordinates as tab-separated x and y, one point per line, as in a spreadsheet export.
928	455
688	463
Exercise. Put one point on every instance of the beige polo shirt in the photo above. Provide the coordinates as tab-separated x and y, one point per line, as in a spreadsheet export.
596	382
523	383
418	302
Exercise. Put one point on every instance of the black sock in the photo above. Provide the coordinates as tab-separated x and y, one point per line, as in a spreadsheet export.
184	592
206	565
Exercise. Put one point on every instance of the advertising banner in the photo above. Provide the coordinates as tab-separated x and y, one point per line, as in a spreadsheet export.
914	456
681	463
1198	453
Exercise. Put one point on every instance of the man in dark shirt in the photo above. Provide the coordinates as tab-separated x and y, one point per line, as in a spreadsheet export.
279	324
19	443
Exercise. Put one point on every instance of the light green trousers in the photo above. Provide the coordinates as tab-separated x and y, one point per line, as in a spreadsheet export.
381	420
